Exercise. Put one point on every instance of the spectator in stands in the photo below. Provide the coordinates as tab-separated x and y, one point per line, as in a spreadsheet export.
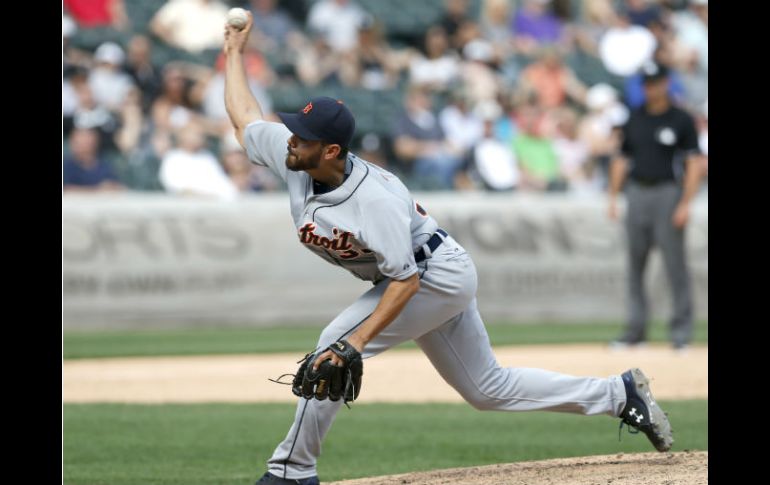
662	31
131	120
493	160
141	69
634	86
191	169
272	25
549	81
478	76
454	16
505	125
372	149
643	12
421	143
134	142
625	47
244	175
119	133
572	152
173	109
695	82
98	13
692	32
316	63
276	34
72	57
298	9
337	21
496	26
91	115
84	170
460	122
109	84
212	88
599	129
191	25
598	17
469	31
439	66
73	81
372	64
535	152
534	25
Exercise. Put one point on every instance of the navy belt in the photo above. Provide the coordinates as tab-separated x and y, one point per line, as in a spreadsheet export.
435	241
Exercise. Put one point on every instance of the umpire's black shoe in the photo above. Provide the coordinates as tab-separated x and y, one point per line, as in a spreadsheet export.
270	479
643	413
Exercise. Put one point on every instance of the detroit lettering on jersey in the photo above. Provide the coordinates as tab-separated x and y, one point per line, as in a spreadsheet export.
369	225
341	243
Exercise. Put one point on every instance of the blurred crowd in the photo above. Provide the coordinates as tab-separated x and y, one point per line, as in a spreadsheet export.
496	95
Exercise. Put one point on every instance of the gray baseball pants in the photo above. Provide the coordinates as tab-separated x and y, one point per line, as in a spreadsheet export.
444	321
648	224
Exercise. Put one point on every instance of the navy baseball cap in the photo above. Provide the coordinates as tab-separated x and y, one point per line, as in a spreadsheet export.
652	71
324	119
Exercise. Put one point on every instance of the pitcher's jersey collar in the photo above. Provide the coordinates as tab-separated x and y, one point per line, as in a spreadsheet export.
356	172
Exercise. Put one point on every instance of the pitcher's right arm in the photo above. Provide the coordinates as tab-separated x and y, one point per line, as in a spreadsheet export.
242	106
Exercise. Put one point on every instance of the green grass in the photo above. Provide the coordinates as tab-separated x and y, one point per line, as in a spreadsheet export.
301	339
120	444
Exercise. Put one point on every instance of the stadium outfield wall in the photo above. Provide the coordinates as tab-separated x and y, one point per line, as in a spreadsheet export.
146	261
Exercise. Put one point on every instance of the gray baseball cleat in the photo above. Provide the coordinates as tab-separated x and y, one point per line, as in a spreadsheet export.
270	479
643	413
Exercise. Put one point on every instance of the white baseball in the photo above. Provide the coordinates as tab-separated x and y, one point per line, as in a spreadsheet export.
237	18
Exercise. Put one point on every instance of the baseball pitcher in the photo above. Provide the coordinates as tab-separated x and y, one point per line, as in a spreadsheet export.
362	218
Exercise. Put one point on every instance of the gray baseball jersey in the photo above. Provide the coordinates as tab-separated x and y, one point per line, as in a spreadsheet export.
371	226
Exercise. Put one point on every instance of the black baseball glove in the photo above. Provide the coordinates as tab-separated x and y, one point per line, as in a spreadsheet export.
330	380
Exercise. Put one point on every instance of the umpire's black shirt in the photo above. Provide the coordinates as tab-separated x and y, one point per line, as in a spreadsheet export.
657	144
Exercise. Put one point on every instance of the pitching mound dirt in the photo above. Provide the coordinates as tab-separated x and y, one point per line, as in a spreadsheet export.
682	468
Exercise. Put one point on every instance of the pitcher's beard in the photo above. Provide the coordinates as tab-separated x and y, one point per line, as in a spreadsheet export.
291	162
296	164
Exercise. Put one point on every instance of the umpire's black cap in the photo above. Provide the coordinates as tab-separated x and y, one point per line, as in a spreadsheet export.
324	119
653	71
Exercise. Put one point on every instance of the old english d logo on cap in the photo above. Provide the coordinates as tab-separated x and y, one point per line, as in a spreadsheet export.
322	118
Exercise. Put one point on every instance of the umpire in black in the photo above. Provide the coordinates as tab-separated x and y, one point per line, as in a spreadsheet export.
660	157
